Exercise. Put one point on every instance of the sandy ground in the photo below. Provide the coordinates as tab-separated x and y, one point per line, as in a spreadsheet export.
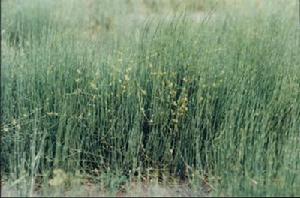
138	190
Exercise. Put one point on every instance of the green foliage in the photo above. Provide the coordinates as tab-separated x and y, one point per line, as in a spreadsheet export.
218	97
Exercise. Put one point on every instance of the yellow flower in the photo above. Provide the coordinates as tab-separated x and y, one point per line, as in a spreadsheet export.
93	85
126	77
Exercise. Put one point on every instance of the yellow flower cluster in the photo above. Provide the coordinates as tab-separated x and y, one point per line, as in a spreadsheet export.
93	85
181	108
52	114
126	80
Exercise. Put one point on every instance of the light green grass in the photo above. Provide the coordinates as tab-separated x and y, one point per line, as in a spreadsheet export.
83	89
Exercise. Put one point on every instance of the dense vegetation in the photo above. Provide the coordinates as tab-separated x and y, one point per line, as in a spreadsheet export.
88	88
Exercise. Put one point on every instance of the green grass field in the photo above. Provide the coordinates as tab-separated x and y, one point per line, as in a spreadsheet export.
120	92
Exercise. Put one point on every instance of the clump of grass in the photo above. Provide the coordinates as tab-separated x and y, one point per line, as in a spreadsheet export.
215	103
